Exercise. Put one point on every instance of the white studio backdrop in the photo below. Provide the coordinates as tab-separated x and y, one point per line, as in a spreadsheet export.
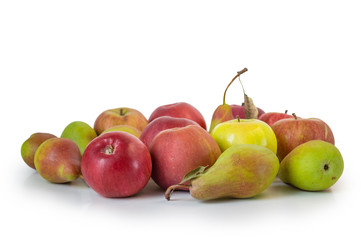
64	61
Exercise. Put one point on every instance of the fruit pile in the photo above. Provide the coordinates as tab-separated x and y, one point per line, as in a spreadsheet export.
238	157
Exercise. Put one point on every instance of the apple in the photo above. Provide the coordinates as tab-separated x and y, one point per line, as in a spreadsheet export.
116	164
79	132
120	116
271	117
58	160
124	128
177	151
179	110
162	123
238	110
244	131
292	132
30	145
312	166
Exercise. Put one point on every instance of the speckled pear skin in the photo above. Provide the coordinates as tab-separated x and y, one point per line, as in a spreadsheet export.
242	171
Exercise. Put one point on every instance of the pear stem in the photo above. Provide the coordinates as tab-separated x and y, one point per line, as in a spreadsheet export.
172	188
229	84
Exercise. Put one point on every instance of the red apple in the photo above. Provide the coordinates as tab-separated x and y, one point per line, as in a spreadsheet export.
116	164
292	132
179	110
120	116
58	160
29	147
177	151
271	117
238	110
160	124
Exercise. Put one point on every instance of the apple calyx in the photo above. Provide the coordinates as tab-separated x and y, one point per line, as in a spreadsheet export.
108	150
188	177
229	84
325	167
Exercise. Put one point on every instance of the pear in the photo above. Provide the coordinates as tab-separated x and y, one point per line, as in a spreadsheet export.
312	166
80	133
242	171
224	112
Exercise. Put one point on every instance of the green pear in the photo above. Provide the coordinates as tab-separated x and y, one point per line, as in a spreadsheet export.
80	133
224	112
312	166
242	171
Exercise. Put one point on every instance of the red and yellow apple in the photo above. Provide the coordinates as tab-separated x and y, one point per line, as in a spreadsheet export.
179	110
120	116
124	128
177	151
294	131
244	131
271	117
162	123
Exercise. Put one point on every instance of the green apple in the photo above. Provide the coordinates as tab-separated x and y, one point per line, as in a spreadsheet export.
244	131
312	166
80	133
124	128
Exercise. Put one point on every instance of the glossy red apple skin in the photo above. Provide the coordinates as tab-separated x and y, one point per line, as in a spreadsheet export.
121	171
120	116
160	124
292	132
58	160
179	110
238	110
271	117
177	151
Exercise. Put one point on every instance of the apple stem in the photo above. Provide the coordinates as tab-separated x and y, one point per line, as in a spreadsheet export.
121	112
109	149
286	111
294	115
229	84
238	118
172	188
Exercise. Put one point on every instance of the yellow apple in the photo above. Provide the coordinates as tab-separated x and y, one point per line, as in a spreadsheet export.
244	131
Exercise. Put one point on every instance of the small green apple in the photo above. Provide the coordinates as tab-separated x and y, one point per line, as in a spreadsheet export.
80	133
244	131
312	166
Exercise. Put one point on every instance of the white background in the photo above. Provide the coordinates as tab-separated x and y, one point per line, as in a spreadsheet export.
62	61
